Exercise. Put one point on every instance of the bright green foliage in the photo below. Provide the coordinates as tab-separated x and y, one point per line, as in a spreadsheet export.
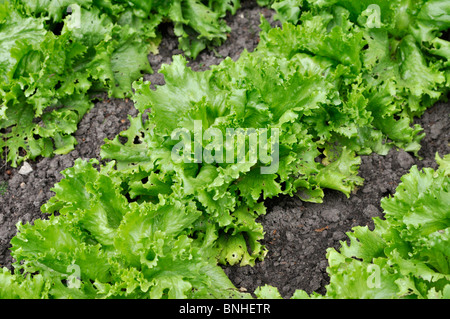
309	81
197	23
47	79
155	222
20	287
102	246
54	55
405	58
409	249
289	97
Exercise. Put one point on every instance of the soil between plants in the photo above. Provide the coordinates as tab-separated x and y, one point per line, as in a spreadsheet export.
297	233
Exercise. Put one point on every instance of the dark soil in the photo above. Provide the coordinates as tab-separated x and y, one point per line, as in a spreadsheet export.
297	233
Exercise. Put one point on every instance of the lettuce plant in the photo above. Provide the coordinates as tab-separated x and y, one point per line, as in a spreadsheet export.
100	245
48	79
406	255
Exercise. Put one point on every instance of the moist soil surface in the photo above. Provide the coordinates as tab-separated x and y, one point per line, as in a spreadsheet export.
297	234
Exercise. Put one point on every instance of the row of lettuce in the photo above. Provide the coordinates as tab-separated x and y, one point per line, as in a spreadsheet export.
337	81
151	255
56	55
